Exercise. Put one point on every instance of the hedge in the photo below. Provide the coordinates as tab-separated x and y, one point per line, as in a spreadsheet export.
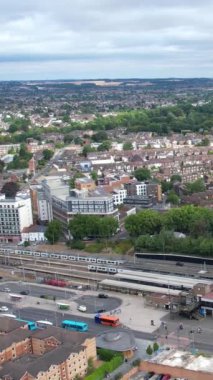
108	367
106	355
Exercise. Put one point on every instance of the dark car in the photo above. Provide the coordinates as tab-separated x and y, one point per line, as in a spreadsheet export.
102	295
179	264
24	292
101	311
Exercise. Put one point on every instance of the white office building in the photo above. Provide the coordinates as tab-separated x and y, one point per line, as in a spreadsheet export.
15	215
141	189
118	196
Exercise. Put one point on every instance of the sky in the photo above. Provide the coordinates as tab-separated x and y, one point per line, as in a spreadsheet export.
86	39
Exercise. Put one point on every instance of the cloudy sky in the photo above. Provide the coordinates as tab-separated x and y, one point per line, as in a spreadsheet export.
63	39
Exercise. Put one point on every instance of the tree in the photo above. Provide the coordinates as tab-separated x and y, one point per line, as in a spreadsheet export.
82	226
127	145
107	227
144	222
155	347
100	136
10	189
87	149
94	175
1	166
166	186
149	350
196	186
176	178
79	227
173	198
53	231
47	154
106	145
142	174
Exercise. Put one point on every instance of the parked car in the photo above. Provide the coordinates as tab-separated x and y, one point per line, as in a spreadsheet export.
24	292
4	308
7	290
179	264
101	311
82	308
103	295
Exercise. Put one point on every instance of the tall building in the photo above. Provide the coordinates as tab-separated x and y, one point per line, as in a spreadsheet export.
15	215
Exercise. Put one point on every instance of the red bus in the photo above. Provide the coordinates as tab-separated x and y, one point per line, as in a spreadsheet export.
107	320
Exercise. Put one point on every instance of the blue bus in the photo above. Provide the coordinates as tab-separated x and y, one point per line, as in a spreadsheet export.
31	324
74	325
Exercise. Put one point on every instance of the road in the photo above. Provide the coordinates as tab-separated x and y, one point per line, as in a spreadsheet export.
93	303
201	341
37	291
34	314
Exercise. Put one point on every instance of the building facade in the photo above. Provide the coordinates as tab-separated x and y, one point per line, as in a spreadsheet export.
64	203
52	353
15	215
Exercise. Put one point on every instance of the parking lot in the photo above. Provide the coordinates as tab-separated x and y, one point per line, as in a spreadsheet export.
95	304
37	291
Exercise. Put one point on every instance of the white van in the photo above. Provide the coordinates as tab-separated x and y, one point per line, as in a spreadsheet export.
82	308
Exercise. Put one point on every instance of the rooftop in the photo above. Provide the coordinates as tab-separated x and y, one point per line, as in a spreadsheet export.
69	342
183	359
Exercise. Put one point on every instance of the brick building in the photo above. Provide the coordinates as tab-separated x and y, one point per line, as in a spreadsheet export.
180	364
52	353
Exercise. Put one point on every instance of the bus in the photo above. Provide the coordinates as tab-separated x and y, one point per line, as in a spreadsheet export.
30	324
74	325
43	324
107	320
63	306
15	297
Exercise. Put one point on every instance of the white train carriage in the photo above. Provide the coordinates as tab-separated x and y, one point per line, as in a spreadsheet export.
63	256
103	269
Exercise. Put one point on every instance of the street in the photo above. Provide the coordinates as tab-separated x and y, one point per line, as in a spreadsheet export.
133	314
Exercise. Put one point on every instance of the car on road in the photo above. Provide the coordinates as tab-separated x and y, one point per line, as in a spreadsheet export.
7	290
82	308
101	311
179	264
24	292
4	308
103	295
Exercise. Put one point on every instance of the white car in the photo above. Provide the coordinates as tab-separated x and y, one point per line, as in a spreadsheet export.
82	308
6	290
4	308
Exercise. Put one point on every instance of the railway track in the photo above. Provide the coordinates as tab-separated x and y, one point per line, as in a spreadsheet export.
156	266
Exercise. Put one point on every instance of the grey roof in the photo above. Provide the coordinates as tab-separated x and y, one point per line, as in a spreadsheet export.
70	341
9	324
13	337
116	340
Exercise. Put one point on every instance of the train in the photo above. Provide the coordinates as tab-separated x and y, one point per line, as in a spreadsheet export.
61	256
103	269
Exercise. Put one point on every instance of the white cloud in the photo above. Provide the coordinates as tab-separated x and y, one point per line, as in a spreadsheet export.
105	38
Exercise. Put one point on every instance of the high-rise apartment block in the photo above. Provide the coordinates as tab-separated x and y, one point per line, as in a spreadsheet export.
15	215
